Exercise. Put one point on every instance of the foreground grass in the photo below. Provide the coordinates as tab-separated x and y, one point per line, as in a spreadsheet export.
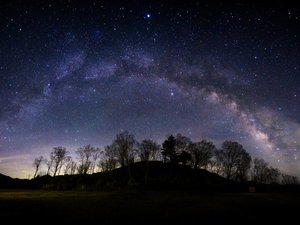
73	207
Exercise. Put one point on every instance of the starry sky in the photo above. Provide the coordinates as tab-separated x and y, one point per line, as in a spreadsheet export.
74	73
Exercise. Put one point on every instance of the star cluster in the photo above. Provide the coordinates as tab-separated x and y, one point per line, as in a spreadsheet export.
77	72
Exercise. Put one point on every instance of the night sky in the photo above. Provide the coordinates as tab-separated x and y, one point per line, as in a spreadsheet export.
74	73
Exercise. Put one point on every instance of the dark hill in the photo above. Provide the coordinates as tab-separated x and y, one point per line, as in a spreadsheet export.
159	176
8	182
140	176
5	180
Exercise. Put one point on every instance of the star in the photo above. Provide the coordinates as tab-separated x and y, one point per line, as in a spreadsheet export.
147	16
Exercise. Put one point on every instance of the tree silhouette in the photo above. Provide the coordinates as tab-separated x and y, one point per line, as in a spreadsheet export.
49	163
57	157
201	153
95	156
109	161
184	157
181	148
215	163
148	150
168	150
70	166
243	167
263	173
125	147
273	175
182	143
288	179
37	164
232	161
231	156
260	171
85	155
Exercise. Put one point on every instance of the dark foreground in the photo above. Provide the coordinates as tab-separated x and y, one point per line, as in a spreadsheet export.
70	207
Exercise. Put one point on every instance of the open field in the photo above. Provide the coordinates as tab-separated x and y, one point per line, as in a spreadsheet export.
146	207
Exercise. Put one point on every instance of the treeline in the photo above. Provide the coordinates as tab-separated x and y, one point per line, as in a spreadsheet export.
232	161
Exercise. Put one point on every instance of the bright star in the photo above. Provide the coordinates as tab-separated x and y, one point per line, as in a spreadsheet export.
147	16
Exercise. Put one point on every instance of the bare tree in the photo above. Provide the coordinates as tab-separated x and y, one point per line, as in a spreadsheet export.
231	156
37	164
263	173
73	167
273	175
214	164
182	149
95	156
109	160
57	159
125	147
85	157
182	143
260	171
201	153
68	163
242	168
148	150
288	179
63	162
49	163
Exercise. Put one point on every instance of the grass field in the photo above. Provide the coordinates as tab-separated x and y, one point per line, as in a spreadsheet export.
73	207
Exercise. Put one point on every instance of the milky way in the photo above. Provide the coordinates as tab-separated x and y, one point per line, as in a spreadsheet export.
73	74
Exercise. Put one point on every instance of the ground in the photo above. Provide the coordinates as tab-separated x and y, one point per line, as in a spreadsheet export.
146	207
